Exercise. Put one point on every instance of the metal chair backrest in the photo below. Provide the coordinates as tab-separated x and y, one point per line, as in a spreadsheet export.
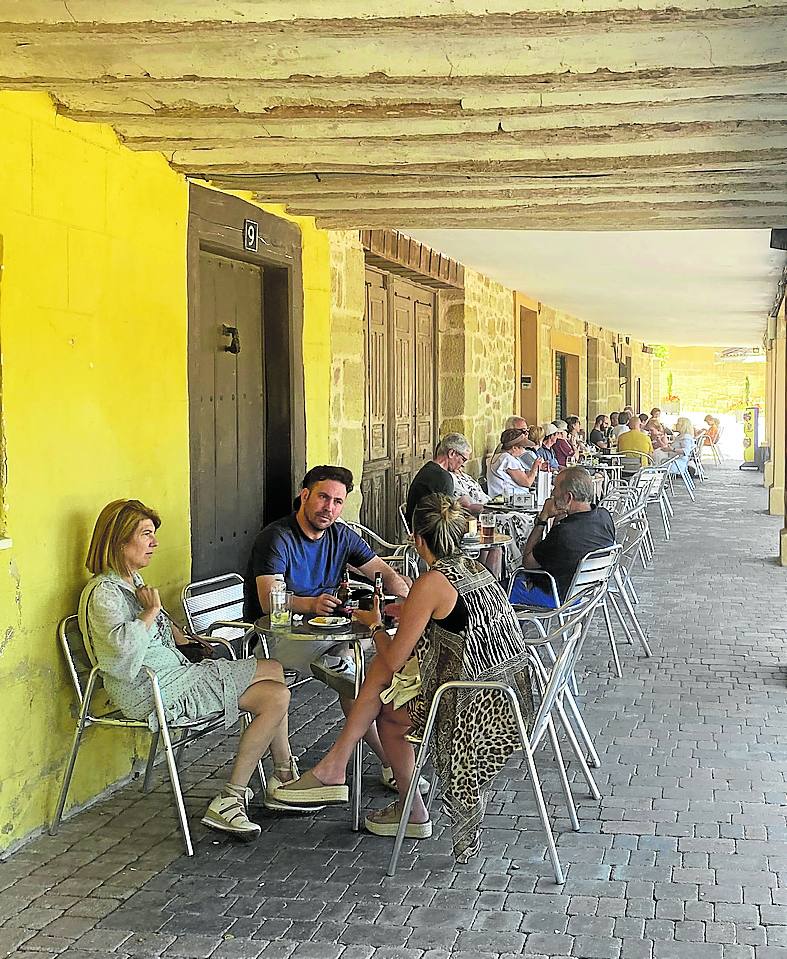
402	555
72	645
643	482
569	635
630	536
210	600
403	517
594	569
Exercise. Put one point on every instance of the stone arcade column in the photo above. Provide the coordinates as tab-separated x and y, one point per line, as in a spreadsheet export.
779	453
777	416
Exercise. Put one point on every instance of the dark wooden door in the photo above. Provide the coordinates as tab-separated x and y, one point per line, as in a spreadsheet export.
560	386
400	417
377	460
227	415
403	391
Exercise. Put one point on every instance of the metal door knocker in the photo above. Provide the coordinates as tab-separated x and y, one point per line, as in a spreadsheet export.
234	344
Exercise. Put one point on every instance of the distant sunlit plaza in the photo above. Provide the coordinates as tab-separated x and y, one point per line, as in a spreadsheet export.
393	418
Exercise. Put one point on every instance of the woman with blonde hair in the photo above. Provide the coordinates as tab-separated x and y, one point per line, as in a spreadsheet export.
456	624
126	629
682	444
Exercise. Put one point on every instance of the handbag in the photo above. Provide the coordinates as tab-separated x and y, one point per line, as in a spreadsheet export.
196	649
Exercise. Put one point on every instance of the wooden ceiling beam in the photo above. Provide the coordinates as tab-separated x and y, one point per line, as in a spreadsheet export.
589	201
304	188
143	130
481	47
616	219
478	153
272	11
371	97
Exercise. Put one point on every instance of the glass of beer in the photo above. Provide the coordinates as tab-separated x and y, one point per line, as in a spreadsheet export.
487	527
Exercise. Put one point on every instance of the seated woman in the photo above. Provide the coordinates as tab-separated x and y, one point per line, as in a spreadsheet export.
546	450
711	429
535	437
660	441
125	629
456	624
599	435
574	434
683	444
504	472
563	450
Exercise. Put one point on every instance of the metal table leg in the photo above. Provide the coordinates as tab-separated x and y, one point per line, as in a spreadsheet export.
358	751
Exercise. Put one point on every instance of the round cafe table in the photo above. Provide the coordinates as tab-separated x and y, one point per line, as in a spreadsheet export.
297	645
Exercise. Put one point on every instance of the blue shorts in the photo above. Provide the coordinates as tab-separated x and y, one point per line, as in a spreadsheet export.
525	595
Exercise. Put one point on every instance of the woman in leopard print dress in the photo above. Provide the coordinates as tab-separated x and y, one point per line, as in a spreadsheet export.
456	624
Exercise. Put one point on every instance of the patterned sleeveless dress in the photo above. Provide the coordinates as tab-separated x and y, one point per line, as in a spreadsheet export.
476	731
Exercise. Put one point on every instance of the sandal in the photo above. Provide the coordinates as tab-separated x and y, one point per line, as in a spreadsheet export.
309	791
385	822
274	782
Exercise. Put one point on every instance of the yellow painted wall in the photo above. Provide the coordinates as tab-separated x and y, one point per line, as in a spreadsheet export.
93	334
705	384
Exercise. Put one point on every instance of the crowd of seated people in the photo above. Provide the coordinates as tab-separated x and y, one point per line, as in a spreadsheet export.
126	628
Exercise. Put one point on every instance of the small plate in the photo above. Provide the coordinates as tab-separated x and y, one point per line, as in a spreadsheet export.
328	622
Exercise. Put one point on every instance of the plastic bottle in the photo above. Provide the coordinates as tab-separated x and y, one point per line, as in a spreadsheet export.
279	616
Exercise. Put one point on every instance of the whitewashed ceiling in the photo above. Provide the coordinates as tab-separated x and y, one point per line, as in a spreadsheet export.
711	287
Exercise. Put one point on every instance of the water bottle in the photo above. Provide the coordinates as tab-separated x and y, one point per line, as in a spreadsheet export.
280	615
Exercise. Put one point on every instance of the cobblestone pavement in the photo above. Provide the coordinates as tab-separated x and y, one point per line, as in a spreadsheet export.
684	856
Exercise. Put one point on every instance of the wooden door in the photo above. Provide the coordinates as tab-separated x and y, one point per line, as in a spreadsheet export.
377	461
423	434
402	391
226	377
400	414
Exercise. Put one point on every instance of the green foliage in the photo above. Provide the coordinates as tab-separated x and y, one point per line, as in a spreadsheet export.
662	352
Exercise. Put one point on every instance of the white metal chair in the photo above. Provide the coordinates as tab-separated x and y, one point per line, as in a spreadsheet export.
595	569
214	607
400	556
631	535
86	680
551	687
403	519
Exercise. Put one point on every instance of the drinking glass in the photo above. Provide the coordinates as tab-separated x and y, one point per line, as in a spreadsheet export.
281	609
487	522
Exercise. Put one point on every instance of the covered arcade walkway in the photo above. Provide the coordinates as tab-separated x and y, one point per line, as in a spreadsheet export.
683	857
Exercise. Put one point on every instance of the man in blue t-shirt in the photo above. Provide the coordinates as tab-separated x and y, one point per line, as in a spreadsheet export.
311	550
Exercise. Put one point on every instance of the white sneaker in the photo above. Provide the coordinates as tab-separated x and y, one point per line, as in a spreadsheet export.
336	672
227	813
274	783
387	779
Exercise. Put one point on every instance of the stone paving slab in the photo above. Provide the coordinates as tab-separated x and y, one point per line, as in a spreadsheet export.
684	857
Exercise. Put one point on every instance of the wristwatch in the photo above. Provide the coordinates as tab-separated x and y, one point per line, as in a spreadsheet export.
540	522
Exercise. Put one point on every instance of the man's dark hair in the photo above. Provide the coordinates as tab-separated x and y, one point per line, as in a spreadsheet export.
317	474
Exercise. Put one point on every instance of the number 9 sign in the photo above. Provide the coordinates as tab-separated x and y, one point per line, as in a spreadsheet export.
250	235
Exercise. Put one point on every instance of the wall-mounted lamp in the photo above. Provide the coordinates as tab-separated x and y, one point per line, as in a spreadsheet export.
616	352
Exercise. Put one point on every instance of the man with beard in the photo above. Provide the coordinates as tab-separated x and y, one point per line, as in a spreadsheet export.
311	551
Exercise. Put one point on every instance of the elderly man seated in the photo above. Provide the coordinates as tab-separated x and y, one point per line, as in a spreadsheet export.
436	476
578	529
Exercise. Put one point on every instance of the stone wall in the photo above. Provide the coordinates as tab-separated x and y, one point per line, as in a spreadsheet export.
705	384
599	378
476	363
345	422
